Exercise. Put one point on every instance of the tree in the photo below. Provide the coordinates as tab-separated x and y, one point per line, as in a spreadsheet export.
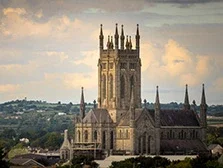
54	140
78	161
8	133
181	164
3	163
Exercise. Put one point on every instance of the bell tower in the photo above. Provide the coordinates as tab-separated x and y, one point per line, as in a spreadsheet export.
119	68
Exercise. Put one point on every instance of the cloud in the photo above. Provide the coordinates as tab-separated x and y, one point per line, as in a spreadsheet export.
16	23
90	58
73	80
178	66
218	84
39	14
18	11
9	88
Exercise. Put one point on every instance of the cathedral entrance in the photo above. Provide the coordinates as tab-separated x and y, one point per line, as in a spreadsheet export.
144	143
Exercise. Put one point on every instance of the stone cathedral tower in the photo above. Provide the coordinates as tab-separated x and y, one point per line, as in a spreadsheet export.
119	123
119	68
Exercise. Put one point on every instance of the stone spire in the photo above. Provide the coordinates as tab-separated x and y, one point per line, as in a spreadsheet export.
66	147
94	102
122	38
137	38
203	109
116	36
82	104
111	43
157	108
130	43
127	43
101	39
186	100
203	116
145	102
108	42
203	98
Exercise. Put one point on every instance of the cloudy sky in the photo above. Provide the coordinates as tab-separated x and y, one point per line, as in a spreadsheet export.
49	48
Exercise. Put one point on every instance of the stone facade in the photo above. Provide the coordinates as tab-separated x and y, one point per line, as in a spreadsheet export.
120	124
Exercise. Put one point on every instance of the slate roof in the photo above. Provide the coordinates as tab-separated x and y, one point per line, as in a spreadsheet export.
23	158
168	117
178	118
97	116
25	162
212	146
124	121
182	145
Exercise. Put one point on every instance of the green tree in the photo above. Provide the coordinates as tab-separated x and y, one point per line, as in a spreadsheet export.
8	133
3	162
181	164
54	140
79	161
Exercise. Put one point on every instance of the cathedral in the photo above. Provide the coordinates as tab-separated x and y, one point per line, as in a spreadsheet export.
119	123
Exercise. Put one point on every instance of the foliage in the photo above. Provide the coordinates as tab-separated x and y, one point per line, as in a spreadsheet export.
3	163
181	164
52	141
201	161
215	135
142	162
78	161
213	164
19	149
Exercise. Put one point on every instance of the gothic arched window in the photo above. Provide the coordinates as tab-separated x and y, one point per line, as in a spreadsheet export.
111	86
111	140
131	81
193	134
78	136
127	134
103	140
95	135
120	134
85	136
104	86
122	88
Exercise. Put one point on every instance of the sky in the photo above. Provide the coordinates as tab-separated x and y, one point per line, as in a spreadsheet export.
49	49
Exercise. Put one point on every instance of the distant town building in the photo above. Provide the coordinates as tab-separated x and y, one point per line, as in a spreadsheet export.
215	149
119	124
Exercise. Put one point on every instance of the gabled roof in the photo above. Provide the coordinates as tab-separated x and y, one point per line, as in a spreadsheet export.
124	121
167	117
25	162
66	144
178	118
182	145
97	116
212	146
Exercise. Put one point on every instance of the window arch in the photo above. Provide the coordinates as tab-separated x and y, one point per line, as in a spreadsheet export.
122	88
132	81
111	86
182	134
103	140
127	134
120	134
193	134
196	135
85	136
111	140
78	136
104	86
95	135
